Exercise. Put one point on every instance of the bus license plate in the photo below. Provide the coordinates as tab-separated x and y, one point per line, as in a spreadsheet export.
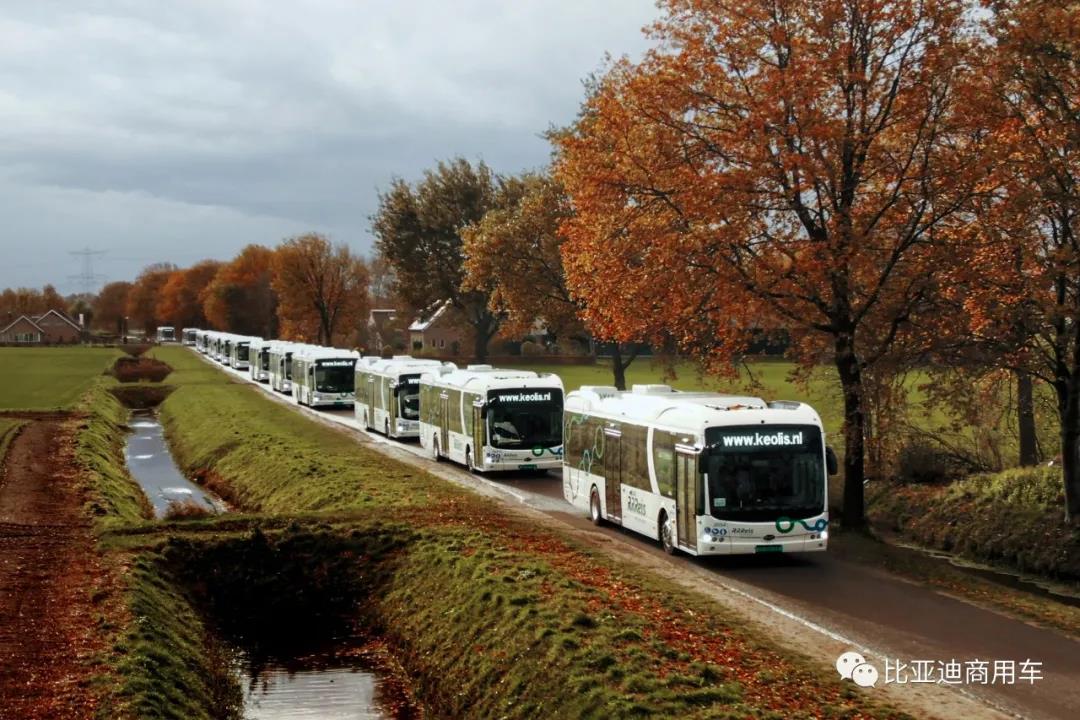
768	548
526	467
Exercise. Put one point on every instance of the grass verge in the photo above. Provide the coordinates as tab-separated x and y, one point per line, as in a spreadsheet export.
115	499
1012	519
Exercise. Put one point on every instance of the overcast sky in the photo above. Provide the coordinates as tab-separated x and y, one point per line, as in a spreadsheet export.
173	131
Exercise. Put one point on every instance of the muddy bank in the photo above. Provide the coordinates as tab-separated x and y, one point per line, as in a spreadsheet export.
53	587
139	369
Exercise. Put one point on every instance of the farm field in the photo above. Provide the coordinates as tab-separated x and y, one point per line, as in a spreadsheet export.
49	378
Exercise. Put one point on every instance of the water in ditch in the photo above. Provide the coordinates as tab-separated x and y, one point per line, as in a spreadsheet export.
152	466
322	687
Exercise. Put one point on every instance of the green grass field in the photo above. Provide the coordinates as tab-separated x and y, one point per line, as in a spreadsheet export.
49	378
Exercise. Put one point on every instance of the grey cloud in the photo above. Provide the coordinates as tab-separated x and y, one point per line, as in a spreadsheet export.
175	131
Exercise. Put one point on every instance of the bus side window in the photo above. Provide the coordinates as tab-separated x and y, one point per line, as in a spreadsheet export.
664	462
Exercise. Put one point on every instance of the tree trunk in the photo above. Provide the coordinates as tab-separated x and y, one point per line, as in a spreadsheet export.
1025	409
847	365
620	362
1068	390
617	367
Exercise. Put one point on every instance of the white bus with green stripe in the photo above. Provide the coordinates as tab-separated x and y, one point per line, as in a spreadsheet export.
388	393
704	473
324	377
491	419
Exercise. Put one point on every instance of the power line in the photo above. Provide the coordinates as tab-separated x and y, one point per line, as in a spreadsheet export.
87	279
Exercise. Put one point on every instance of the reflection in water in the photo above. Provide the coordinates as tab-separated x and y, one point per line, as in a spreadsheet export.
152	466
341	693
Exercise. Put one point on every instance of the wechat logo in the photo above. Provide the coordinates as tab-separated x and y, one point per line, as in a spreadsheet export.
853	666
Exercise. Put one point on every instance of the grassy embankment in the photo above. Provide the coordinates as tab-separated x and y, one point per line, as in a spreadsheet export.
491	615
1013	518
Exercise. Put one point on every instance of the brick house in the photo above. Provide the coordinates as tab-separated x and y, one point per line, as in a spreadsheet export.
52	328
439	333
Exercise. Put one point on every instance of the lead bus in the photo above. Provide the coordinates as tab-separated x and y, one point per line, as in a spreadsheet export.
323	376
492	419
388	393
704	473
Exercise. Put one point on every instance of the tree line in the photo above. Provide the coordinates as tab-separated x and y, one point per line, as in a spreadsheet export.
891	184
306	288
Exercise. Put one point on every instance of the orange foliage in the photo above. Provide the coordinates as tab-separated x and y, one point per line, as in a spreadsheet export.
142	298
110	306
795	165
322	290
180	302
240	299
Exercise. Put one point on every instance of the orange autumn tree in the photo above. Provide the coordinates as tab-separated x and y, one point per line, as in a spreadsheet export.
110	306
180	303
322	290
775	164
240	299
1026	296
142	297
515	251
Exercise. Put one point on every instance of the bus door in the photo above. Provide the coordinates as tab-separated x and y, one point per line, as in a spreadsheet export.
369	400
444	423
610	458
687	492
479	428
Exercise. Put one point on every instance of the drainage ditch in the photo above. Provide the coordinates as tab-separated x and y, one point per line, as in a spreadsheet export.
294	613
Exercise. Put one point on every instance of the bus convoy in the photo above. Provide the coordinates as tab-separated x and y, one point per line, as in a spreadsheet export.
701	472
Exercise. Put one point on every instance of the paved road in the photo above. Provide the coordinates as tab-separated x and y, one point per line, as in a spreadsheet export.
888	617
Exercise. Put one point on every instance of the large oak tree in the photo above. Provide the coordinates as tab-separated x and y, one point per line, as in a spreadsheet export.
777	164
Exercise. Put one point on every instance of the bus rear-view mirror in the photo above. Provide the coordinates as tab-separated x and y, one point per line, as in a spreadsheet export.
831	463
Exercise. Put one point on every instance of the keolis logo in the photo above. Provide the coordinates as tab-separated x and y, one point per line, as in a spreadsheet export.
526	397
776	439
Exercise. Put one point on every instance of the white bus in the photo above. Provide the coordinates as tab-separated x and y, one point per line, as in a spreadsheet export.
188	336
388	393
323	376
240	351
492	419
705	473
202	338
166	333
281	352
259	360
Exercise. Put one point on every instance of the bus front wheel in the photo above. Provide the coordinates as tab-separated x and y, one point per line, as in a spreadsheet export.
469	462
667	541
595	513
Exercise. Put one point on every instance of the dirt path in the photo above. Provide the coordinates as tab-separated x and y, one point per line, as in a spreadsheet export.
49	575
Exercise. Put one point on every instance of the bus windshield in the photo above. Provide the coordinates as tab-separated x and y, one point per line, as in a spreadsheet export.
242	352
763	473
335	376
526	418
408	391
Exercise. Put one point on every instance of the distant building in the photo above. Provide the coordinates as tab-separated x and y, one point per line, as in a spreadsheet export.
438	331
52	328
384	331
